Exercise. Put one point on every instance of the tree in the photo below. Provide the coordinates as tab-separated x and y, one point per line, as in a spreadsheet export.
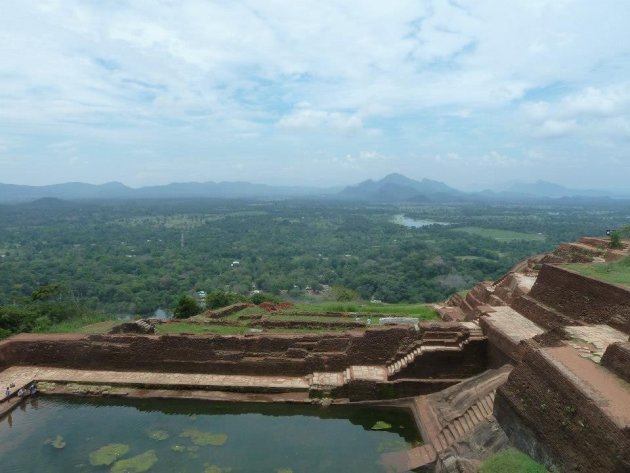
186	307
344	294
218	299
615	240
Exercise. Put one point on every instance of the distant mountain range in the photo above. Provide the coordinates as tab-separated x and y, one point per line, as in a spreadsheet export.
392	188
549	189
396	187
184	190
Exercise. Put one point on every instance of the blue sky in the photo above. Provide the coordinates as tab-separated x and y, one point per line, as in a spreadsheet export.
470	92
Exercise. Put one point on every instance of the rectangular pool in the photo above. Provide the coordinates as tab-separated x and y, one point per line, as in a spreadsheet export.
53	434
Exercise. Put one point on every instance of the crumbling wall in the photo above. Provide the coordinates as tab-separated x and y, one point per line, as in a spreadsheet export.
582	298
547	416
258	354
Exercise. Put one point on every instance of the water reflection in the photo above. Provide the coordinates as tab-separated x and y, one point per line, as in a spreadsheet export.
60	433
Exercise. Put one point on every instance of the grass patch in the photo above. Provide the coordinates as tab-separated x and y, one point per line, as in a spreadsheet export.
99	327
504	236
617	272
247	311
199	329
310	318
511	461
420	311
90	324
103	324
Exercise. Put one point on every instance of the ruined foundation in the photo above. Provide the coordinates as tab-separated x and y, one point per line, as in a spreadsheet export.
538	359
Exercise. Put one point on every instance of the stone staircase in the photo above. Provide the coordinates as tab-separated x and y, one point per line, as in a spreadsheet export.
446	342
434	344
464	424
448	417
146	327
439	438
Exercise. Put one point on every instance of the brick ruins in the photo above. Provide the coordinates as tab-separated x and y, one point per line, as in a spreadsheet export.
538	359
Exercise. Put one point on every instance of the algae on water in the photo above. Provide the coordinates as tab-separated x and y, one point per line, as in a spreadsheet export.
216	469
204	438
137	464
381	425
284	470
158	434
58	442
108	454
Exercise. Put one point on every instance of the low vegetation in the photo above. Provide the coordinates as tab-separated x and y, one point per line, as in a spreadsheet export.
68	265
615	272
504	236
511	461
420	311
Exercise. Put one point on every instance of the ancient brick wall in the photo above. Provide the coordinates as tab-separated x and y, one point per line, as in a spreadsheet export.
370	390
471	361
545	415
617	359
259	354
539	313
582	298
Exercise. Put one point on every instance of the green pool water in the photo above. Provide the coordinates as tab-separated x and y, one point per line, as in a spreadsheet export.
64	434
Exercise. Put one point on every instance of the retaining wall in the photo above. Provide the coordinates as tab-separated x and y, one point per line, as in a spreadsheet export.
257	354
582	298
546	415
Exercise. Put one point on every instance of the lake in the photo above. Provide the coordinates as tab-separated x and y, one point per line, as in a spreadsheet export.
413	223
87	435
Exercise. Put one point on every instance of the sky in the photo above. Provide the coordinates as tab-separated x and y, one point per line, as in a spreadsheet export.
474	93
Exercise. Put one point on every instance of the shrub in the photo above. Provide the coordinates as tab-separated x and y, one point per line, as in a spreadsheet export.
186	307
615	240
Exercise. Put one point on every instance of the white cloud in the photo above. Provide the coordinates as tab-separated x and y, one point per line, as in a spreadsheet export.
146	73
592	110
555	128
306	118
594	101
497	159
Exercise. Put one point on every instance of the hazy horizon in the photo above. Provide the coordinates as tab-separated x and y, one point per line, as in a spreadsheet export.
470	93
326	186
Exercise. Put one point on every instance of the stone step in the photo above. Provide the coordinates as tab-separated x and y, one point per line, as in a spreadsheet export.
401	462
468	421
485	407
442	442
490	402
450	438
457	429
477	413
464	424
